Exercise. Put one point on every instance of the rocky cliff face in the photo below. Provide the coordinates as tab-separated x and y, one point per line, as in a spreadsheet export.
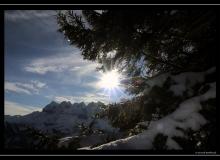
63	118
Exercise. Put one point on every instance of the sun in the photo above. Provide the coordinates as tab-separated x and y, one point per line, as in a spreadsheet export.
110	80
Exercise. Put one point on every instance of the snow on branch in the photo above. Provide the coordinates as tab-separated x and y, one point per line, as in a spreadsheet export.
186	116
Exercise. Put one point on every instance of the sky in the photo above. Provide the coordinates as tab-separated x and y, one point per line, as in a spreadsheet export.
40	65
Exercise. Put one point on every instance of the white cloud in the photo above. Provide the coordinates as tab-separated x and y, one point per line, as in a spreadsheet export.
38	84
35	22
72	62
61	99
87	98
29	88
10	86
92	84
13	108
16	15
99	11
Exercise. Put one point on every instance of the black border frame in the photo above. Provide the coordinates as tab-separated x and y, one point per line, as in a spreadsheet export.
103	152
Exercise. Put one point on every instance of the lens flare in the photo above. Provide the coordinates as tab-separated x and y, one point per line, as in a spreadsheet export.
110	80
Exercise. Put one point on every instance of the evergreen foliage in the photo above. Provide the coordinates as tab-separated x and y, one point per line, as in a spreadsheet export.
144	43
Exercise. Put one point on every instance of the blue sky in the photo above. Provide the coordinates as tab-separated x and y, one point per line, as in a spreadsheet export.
40	65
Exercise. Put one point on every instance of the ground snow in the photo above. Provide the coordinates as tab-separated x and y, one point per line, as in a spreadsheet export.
182	81
64	141
172	144
185	81
186	116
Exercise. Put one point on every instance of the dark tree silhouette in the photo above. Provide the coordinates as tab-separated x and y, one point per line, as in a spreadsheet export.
145	42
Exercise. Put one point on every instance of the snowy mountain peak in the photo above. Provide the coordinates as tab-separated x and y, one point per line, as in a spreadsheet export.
53	103
62	116
66	103
67	106
50	107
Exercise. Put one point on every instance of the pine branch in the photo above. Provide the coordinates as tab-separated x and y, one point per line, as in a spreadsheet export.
162	61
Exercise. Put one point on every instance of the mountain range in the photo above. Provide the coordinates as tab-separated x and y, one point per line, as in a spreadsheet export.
64	118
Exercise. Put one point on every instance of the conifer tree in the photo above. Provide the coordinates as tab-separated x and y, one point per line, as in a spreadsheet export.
146	41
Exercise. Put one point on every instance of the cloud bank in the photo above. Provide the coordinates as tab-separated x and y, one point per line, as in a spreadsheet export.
13	108
28	88
87	98
72	62
16	15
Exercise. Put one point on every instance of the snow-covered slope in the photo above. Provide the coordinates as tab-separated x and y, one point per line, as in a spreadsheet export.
66	117
186	116
63	118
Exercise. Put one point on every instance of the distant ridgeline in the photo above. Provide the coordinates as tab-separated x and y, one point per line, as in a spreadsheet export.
55	122
63	118
173	112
